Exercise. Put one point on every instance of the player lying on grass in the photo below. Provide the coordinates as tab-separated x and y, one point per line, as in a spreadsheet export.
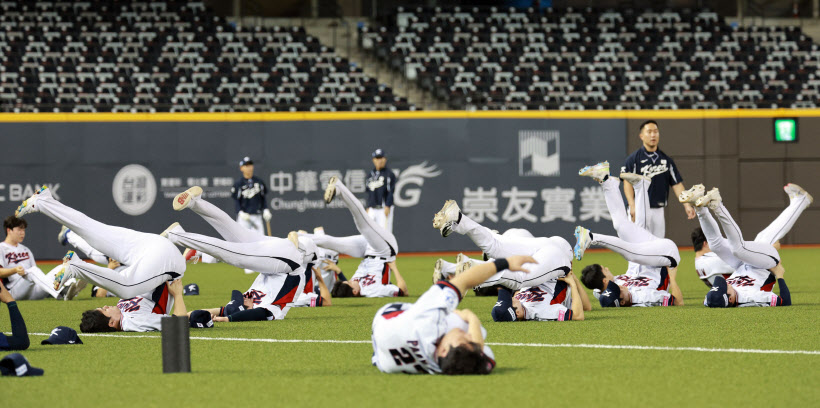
708	264
282	263
19	272
375	245
19	335
431	336
653	262
756	263
152	260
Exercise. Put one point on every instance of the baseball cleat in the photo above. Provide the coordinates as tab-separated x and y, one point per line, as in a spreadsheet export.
447	218
437	275
30	204
62	237
171	227
463	266
711	199
692	195
461	258
62	277
598	172
582	241
293	237
794	191
330	191
191	255
75	286
183	199
319	231
633	178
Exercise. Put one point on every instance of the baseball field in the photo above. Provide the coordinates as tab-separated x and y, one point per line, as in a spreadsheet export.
691	355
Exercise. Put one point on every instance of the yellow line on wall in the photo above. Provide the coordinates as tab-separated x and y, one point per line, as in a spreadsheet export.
321	116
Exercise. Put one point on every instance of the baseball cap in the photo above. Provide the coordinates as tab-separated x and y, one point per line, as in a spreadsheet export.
611	297
16	364
201	319
245	160
378	153
190	289
503	310
237	303
63	335
717	296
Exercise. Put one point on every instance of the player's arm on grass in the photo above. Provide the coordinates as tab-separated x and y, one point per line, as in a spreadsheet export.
674	289
473	325
399	280
785	295
175	288
582	294
575	291
323	291
690	211
6	272
478	274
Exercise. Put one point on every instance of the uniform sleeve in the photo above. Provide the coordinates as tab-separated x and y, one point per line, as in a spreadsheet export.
674	174
236	190
141	322
442	295
391	187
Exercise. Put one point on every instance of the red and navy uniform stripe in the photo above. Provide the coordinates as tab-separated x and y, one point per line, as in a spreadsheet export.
664	279
288	291
560	293
386	274
768	284
161	298
446	284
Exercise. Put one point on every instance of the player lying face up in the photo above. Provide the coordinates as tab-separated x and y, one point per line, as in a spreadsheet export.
431	336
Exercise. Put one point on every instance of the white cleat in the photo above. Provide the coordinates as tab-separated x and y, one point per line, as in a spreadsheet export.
183	199
63	277
330	191
170	228
62	237
75	286
30	205
437	275
711	199
293	237
598	172
795	191
461	258
464	266
582	241
192	256
692	195
447	218
634	178
319	231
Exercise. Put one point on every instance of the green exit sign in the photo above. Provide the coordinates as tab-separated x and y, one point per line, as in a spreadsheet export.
785	130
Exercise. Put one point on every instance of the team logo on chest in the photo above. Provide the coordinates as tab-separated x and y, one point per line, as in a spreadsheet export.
17	257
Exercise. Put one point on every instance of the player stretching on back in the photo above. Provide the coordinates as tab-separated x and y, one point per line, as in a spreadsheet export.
282	263
152	261
751	283
377	246
431	336
653	262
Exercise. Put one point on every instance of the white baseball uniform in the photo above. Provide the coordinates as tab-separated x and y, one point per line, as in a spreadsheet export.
144	313
554	262
548	301
34	285
151	259
647	286
405	335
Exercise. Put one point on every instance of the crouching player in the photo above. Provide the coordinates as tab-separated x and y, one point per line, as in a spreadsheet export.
431	336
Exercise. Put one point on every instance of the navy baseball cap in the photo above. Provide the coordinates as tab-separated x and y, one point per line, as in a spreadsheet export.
16	364
201	319
503	310
190	289
611	297
63	335
245	160
237	303
378	153
717	296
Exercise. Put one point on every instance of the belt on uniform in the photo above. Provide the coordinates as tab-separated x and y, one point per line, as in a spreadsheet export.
378	207
375	257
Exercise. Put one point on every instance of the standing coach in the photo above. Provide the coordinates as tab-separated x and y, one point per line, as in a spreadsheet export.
651	162
381	183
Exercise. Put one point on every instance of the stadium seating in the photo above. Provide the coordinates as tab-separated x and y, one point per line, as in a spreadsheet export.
172	56
489	58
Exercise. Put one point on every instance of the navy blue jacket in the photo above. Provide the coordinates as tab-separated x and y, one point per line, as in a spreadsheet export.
660	168
380	187
249	195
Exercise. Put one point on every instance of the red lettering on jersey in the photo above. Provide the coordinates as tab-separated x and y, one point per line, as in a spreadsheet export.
741	281
255	295
367	280
129	305
17	257
531	295
639	281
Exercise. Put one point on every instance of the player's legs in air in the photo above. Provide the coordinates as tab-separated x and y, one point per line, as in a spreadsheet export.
152	260
719	245
554	262
634	243
799	200
757	254
354	246
382	243
241	247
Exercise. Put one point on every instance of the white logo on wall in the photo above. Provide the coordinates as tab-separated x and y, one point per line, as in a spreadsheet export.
413	175
134	189
539	153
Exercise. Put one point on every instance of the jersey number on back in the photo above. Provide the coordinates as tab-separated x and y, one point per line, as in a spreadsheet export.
403	356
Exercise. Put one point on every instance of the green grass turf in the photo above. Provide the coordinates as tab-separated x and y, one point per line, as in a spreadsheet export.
128	371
